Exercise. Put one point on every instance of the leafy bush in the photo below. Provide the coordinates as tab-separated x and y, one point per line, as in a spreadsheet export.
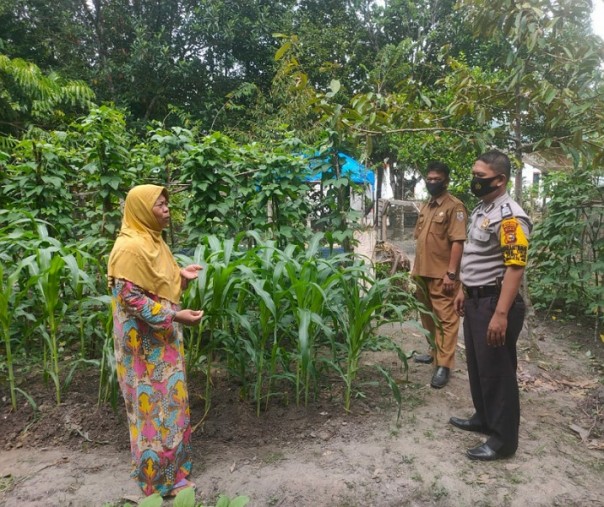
567	246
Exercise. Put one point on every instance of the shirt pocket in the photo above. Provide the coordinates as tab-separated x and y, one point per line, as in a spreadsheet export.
481	236
438	226
419	226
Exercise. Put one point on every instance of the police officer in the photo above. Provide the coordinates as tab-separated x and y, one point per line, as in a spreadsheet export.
440	233
492	267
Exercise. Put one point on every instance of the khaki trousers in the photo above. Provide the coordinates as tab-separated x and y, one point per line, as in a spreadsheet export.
442	305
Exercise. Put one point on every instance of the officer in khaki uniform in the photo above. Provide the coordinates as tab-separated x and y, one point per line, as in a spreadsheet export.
440	233
492	268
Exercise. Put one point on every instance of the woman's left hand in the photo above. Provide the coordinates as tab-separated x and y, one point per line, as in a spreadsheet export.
189	273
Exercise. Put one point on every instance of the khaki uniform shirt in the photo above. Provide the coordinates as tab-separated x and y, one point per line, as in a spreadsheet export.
483	260
441	221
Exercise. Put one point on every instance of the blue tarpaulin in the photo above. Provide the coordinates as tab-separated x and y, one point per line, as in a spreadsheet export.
356	171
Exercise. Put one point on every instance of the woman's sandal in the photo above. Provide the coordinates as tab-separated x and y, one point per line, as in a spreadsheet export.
180	485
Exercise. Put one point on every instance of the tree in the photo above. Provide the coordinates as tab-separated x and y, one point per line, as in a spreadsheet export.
543	89
30	97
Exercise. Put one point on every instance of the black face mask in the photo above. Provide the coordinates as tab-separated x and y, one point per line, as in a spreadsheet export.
482	186
436	188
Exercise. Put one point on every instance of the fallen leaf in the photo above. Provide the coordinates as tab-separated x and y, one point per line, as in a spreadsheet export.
484	479
233	467
132	498
598	445
583	433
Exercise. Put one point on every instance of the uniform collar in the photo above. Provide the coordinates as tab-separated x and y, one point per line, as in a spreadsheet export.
487	208
437	201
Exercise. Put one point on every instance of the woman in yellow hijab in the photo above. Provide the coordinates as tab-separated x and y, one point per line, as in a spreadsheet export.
146	284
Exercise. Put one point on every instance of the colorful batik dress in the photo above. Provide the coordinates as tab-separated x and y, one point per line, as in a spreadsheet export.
151	372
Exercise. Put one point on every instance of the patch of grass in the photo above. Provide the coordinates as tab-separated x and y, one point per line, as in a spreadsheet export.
407	460
413	396
516	479
6	483
411	419
438	491
598	466
416	476
540	451
273	457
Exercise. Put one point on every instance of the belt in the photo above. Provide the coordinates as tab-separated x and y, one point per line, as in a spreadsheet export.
482	291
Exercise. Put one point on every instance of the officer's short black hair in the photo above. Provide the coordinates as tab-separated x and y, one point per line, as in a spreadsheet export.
498	161
439	167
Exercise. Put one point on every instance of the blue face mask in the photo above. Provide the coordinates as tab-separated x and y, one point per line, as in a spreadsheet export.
482	186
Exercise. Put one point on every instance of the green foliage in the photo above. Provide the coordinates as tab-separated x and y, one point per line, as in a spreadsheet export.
238	188
407	81
186	498
105	157
287	317
72	179
8	301
38	178
567	247
30	97
532	96
44	296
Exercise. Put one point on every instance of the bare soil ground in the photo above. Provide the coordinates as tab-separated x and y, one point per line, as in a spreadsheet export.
77	454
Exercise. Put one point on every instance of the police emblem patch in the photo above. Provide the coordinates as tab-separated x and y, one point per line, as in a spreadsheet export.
459	216
514	244
509	230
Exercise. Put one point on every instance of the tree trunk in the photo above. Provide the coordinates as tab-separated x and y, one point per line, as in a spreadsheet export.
530	317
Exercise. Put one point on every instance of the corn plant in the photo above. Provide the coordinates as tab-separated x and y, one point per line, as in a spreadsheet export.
196	297
108	384
310	279
9	298
273	269
47	268
212	292
362	308
78	279
267	316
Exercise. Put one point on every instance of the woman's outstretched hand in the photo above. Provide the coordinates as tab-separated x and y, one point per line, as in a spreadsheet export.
189	273
189	317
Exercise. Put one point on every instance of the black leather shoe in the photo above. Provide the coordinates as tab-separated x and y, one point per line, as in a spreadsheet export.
440	377
484	453
423	358
465	424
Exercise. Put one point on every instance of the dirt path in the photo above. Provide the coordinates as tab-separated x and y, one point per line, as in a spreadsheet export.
320	456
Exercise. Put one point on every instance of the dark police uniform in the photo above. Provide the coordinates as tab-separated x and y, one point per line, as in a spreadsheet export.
497	238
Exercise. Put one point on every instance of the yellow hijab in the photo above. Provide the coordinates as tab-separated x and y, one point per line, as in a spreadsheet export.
140	255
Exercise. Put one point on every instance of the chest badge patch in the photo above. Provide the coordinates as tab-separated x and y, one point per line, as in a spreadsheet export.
485	224
506	211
